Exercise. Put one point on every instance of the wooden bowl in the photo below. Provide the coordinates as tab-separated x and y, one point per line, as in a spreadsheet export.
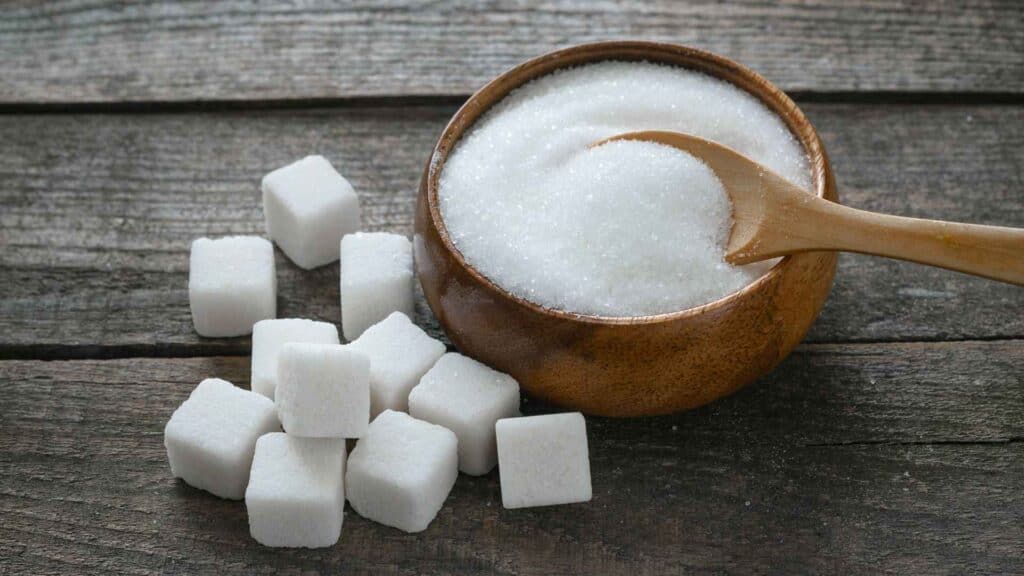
623	366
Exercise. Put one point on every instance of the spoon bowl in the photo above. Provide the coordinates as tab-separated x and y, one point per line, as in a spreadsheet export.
623	366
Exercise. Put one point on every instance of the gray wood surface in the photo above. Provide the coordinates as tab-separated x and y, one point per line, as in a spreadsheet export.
111	51
866	458
99	211
891	442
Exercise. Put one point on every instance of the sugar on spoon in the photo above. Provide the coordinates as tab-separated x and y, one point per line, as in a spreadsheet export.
772	217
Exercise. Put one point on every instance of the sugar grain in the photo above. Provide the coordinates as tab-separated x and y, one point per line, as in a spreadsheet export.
624	229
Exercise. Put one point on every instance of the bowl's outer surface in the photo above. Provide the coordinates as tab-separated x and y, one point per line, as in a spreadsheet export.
623	366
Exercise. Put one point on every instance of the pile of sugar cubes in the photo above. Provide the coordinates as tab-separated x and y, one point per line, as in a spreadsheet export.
419	415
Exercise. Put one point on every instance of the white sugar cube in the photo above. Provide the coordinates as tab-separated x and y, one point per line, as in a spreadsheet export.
296	493
400	354
231	284
267	338
376	279
323	390
308	207
401	471
467	398
543	460
210	438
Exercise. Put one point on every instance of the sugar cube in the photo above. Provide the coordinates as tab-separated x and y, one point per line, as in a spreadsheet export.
376	279
543	460
467	398
323	390
308	207
401	471
210	438
296	493
267	338
400	354
231	284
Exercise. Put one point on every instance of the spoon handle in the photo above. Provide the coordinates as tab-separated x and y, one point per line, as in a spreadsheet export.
994	252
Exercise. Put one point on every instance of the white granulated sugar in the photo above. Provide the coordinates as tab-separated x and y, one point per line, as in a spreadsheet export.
624	229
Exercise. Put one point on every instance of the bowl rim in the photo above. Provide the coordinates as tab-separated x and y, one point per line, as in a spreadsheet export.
623	50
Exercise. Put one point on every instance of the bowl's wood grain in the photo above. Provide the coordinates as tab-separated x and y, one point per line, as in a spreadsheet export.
623	366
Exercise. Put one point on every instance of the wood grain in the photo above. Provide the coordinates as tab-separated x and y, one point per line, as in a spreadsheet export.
108	51
862	458
99	210
873	455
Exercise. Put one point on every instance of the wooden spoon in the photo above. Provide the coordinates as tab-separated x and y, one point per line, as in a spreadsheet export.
772	217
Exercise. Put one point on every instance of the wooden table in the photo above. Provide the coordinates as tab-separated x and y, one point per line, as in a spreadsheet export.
891	441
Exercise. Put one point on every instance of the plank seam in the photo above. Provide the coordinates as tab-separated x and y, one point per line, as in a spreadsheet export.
871	97
60	352
845	443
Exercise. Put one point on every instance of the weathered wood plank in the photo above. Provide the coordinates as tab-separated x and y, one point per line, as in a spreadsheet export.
105	51
98	212
863	458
